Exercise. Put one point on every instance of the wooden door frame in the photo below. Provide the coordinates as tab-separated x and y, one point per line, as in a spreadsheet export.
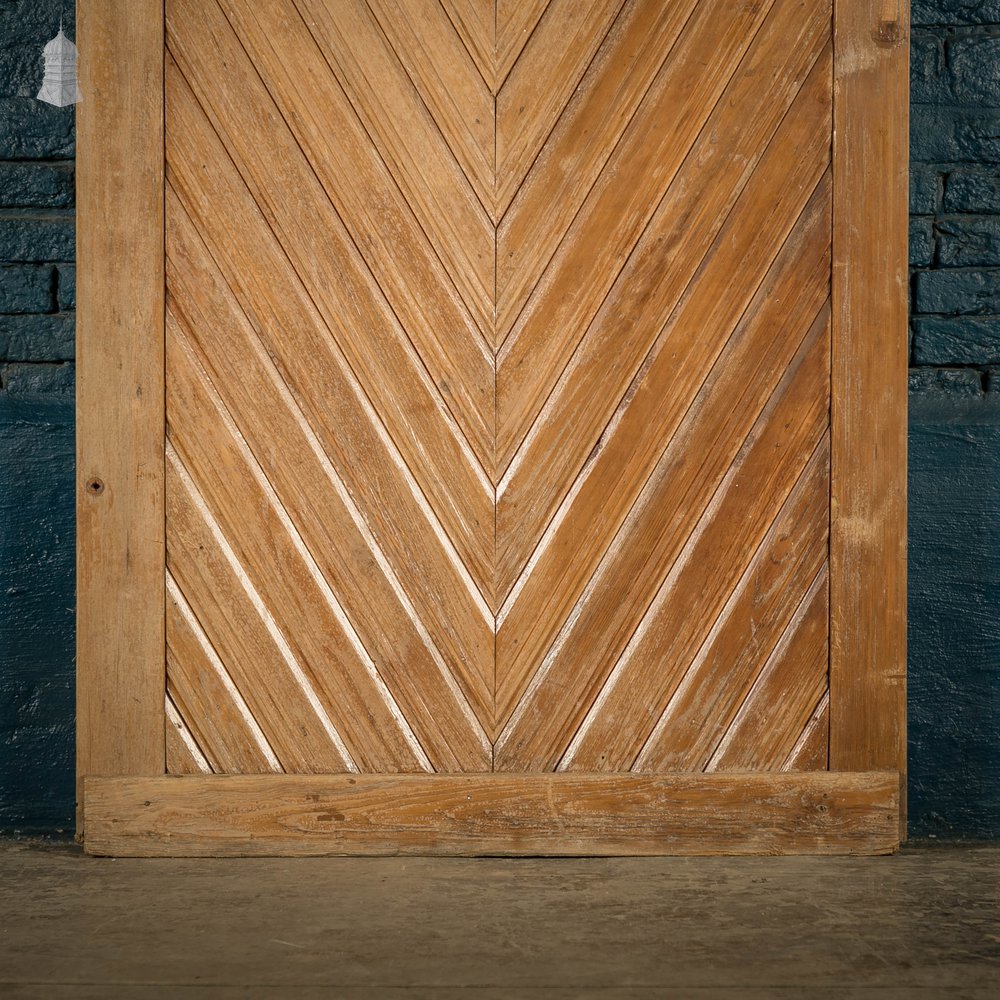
126	803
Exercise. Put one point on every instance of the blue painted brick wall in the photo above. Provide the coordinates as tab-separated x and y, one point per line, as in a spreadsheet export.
954	523
37	298
954	661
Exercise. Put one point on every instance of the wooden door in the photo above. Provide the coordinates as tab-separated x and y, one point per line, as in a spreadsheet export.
515	461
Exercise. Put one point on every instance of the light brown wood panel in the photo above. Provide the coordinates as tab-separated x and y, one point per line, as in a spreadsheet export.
868	534
621	814
294	337
663	264
515	21
286	189
523	424
448	82
413	148
655	404
580	144
215	716
778	711
812	749
281	696
183	754
574	284
541	83
375	212
718	681
393	580
572	685
277	564
120	645
475	21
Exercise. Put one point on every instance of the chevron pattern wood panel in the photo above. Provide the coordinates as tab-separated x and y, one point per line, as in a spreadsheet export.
498	385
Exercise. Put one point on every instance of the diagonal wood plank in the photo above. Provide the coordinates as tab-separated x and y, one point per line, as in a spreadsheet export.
542	82
297	210
391	573
812	749
202	691
781	704
756	618
431	548
581	659
654	407
183	755
601	237
580	145
475	21
515	21
445	76
701	580
281	697
374	211
665	261
281	569
411	145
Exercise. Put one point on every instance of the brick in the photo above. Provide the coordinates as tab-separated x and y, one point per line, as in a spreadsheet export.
36	184
969	190
929	83
956	340
921	241
37	237
954	12
38	338
925	183
947	382
67	286
969	241
954	135
26	288
33	130
974	70
957	292
24	379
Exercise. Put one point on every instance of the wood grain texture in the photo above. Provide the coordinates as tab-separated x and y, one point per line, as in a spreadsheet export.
670	259
541	83
405	135
570	290
870	345
531	814
778	710
498	391
611	568
312	234
119	390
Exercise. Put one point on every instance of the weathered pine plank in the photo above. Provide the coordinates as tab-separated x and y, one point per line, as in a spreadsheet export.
658	405
530	814
447	80
669	259
717	684
580	144
297	210
119	391
390	573
870	350
376	212
779	707
610	222
404	133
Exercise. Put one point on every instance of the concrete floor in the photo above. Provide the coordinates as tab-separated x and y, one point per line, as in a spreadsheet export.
923	924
